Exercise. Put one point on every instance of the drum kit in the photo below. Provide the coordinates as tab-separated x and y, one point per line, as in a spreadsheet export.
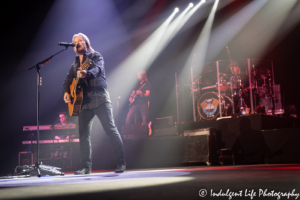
229	94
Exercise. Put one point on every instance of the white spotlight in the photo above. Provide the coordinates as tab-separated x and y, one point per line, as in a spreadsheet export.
203	1
176	10
191	5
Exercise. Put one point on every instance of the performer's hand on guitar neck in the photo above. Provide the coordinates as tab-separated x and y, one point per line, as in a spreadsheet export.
67	98
130	99
81	74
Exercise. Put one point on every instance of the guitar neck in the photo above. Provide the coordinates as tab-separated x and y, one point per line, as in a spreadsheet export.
141	87
85	65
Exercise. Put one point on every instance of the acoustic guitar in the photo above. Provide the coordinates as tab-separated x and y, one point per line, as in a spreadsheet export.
76	92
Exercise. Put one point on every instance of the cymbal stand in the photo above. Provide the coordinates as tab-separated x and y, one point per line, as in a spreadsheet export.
241	103
232	95
231	82
272	94
255	94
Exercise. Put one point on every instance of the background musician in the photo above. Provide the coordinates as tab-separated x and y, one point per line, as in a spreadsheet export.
96	101
234	68
139	99
63	120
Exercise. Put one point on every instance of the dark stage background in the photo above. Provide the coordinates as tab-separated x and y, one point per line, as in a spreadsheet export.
31	30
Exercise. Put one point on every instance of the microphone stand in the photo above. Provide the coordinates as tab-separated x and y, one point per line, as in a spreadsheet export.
37	66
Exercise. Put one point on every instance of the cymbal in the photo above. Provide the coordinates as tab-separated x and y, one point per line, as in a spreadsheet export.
223	74
207	70
233	64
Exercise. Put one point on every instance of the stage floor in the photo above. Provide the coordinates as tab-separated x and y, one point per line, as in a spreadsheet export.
193	182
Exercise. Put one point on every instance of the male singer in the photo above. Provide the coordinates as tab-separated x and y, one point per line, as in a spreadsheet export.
96	101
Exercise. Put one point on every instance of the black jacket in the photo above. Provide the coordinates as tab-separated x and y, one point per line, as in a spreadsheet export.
94	85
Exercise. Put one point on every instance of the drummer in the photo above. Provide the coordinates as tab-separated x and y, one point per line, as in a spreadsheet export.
234	68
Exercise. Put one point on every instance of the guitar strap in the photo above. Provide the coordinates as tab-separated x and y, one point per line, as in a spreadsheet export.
85	81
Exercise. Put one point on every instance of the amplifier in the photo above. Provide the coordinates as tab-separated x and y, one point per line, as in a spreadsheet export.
201	131
201	146
164	121
165	131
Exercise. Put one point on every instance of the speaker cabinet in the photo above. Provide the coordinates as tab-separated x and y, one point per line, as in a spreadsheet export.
165	131
200	146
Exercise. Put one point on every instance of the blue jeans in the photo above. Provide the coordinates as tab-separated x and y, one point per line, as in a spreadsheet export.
143	108
105	115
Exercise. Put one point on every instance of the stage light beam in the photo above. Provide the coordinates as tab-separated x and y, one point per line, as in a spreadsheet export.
197	56
171	31
201	45
141	58
225	32
247	28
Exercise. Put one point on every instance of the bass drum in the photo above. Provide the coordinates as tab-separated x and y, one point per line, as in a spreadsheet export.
208	106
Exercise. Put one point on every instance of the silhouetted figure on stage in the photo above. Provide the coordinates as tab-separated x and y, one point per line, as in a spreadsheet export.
96	101
248	135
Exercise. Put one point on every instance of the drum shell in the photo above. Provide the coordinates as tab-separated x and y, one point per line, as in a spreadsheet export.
208	106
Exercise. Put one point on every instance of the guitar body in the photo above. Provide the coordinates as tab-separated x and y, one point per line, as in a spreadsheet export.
76	99
133	98
76	93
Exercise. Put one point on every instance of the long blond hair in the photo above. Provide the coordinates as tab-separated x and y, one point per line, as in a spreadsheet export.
85	39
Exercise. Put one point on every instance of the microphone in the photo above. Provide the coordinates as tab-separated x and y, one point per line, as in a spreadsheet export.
66	44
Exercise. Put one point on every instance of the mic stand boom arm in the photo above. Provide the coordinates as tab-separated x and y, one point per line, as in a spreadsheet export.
47	59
